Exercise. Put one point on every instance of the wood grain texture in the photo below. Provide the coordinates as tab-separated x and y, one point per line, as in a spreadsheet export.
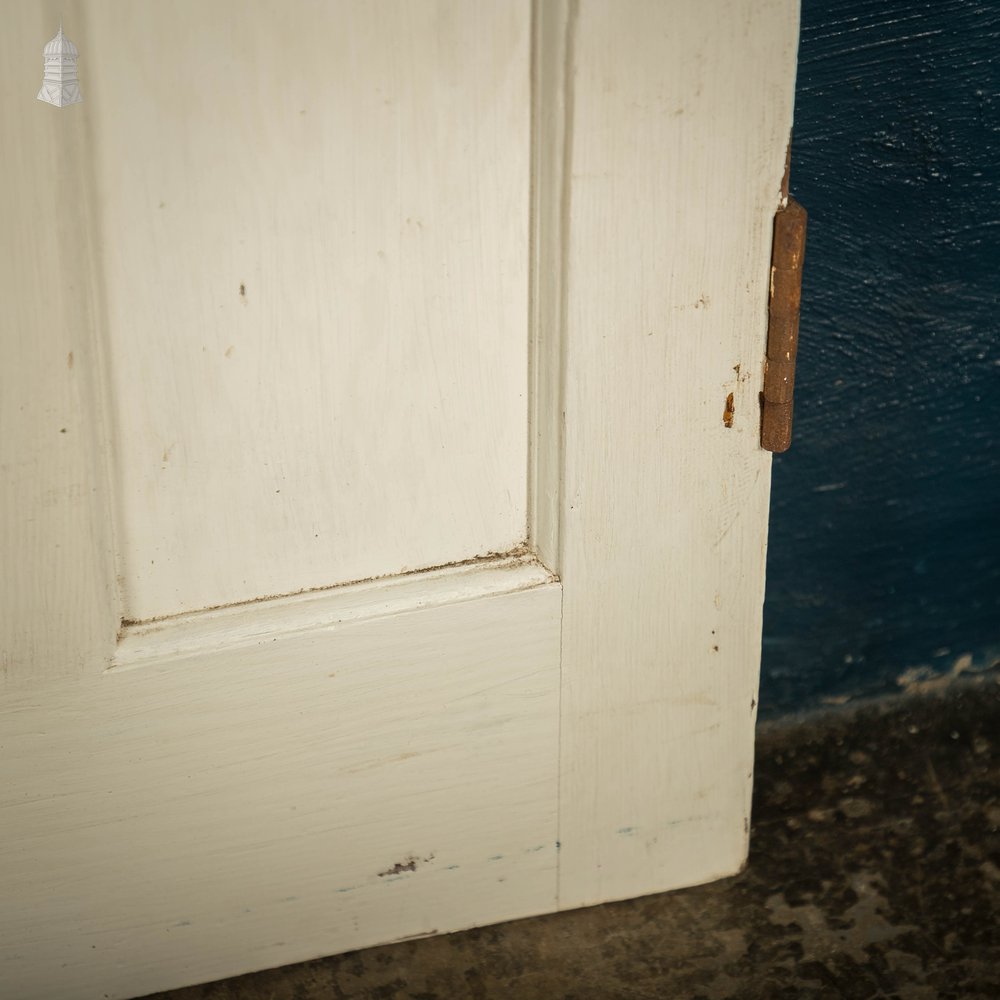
316	262
58	600
319	791
681	115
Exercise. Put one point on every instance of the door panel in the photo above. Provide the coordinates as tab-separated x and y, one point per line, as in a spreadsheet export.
315	266
377	774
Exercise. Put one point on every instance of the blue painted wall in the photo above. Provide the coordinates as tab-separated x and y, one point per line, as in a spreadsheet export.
884	547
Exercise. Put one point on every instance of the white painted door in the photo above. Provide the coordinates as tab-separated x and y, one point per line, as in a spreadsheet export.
376	559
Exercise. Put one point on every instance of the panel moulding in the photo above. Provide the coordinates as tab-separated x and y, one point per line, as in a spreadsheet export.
259	622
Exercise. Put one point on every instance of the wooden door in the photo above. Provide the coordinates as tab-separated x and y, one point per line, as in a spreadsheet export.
377	560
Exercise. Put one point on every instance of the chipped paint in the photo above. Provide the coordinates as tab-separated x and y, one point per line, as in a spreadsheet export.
409	865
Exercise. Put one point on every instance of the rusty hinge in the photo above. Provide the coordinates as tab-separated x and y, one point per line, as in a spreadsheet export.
783	325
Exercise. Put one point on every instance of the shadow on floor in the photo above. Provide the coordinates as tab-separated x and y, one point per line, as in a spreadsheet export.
874	873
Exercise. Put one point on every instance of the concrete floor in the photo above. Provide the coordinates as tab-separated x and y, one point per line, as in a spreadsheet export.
874	873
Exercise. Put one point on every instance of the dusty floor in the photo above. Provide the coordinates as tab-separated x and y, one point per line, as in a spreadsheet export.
874	873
